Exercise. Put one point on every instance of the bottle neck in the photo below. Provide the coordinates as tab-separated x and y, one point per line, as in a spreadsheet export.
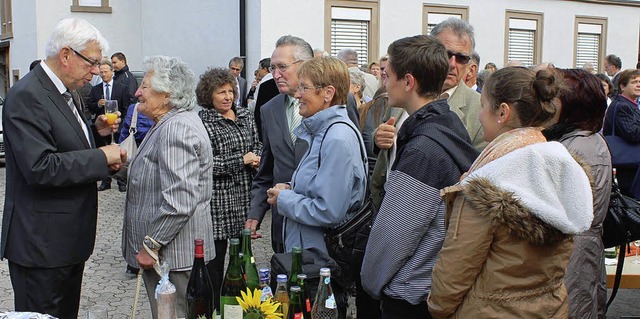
199	252
234	259
246	246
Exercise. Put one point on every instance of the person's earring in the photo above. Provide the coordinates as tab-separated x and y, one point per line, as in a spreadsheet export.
499	121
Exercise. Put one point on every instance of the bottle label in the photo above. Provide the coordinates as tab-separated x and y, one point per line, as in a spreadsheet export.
298	315
327	280
330	303
232	312
253	260
266	293
308	302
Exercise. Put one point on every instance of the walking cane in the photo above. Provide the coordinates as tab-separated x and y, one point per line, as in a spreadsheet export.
135	297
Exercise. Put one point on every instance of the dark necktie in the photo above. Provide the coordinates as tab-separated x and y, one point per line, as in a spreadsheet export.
108	95
67	96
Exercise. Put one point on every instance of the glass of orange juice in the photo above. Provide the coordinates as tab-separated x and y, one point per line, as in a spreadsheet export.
110	111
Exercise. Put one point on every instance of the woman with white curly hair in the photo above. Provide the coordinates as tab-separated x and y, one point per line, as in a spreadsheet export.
170	180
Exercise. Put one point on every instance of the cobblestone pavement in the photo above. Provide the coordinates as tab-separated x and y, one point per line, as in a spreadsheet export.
105	283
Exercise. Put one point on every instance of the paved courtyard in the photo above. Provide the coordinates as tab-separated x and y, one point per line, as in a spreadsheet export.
105	283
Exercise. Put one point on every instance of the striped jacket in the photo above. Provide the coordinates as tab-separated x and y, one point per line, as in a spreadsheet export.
434	149
169	190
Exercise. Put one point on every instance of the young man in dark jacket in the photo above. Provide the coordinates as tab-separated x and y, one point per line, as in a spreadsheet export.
433	150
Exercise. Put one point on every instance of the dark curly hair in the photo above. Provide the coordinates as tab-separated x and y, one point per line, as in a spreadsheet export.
211	80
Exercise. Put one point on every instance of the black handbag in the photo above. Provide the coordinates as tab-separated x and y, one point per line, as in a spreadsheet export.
346	243
622	222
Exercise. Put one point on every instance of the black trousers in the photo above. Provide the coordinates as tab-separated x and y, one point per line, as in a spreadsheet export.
54	291
400	309
215	267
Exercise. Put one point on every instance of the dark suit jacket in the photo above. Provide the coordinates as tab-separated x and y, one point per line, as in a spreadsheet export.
268	90
51	201
127	78
118	92
279	160
243	91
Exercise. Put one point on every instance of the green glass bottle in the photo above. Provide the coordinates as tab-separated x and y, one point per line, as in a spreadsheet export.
296	266
306	302
250	270
232	285
295	304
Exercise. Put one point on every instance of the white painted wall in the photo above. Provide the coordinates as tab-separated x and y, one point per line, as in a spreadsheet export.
206	33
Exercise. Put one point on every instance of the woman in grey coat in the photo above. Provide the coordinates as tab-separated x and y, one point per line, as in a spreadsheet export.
582	107
170	180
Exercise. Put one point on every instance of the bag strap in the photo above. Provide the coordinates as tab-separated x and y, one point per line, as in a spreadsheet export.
134	120
613	120
616	282
363	156
360	142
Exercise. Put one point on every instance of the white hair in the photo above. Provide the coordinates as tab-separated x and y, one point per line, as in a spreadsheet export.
172	76
76	34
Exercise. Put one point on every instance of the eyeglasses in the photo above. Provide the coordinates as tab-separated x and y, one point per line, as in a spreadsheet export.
282	67
305	88
460	57
92	63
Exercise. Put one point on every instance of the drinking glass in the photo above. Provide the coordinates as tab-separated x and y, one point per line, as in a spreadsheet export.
110	110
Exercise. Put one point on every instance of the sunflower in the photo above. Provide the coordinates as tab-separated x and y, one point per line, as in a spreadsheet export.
255	309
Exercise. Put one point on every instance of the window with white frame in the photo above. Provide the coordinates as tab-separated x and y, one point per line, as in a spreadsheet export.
350	29
590	41
95	6
6	31
524	38
434	14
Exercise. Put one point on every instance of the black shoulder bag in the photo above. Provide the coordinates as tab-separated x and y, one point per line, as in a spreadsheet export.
346	243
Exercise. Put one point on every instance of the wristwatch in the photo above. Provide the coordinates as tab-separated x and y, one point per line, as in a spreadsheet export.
151	244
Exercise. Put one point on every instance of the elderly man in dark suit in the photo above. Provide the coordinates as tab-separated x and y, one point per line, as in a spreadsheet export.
50	208
281	150
109	89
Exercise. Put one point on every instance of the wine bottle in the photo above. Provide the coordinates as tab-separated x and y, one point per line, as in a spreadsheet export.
306	302
232	285
250	270
296	266
264	284
295	304
324	307
199	288
281	295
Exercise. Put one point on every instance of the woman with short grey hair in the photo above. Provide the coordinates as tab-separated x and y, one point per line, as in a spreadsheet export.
357	85
170	179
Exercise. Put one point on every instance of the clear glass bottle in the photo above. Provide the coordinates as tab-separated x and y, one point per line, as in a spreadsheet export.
282	295
199	288
324	307
232	285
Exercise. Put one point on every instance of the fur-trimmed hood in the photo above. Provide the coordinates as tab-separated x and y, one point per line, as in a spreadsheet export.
540	193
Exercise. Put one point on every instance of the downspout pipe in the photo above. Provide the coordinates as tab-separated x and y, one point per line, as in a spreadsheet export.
243	36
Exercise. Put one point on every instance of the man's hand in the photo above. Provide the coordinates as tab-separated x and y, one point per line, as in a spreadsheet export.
385	134
105	128
102	102
144	259
115	155
253	225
